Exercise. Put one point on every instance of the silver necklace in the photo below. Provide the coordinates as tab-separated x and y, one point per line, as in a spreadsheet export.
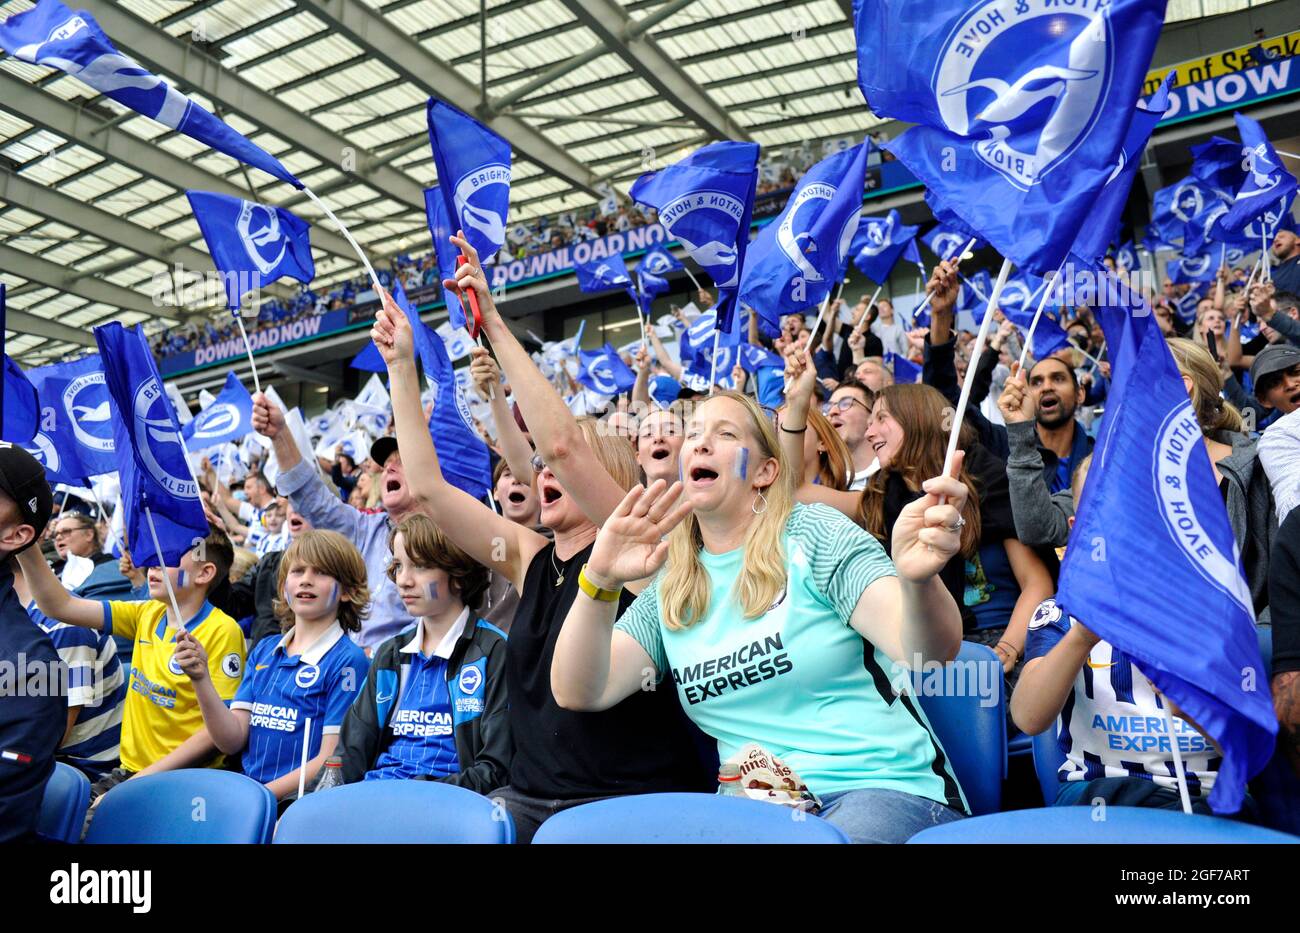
559	574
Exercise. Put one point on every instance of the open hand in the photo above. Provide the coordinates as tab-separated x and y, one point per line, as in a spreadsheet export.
632	544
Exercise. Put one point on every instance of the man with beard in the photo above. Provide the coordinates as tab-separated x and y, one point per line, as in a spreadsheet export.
1286	256
1047	446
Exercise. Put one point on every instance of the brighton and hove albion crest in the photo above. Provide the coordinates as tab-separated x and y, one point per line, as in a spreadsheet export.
44	451
878	234
1188	201
946	245
86	401
706	223
793	234
1178	439
217	420
259	230
658	264
1024	120
158	441
482	199
601	373
1196	266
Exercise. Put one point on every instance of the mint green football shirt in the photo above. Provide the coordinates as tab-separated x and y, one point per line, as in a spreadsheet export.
799	680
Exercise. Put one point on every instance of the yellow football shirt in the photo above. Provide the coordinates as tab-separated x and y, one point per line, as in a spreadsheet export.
162	709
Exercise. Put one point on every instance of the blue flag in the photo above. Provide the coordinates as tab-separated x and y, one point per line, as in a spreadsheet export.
461	452
1152	499
904	370
1173	208
652	276
54	444
1217	164
1126	256
702	366
798	258
22	410
879	243
252	244
151	463
604	372
771	387
1021	107
946	242
81	395
435	209
1185	306
1107	213
600	275
56	37
705	202
973	293
228	419
369	360
1264	181
1195	268
473	175
754	358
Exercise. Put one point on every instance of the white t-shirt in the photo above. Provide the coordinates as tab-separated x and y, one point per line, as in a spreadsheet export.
858	481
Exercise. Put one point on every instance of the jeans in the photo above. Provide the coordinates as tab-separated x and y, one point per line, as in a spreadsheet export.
877	816
1138	792
529	813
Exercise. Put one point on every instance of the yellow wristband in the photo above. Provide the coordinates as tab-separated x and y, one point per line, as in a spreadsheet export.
595	592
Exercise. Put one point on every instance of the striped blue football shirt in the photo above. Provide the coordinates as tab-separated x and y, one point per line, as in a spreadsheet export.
97	684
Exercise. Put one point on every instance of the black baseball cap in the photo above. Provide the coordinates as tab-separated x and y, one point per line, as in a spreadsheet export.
382	449
1273	359
22	478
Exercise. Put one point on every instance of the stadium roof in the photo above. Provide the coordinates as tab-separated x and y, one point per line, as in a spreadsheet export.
589	92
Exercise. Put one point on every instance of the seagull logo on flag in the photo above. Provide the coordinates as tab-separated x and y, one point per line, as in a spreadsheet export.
257	238
154	434
1004	114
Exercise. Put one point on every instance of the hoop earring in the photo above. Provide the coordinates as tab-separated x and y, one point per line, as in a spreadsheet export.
754	505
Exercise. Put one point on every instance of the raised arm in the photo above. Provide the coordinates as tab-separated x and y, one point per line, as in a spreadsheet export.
556	433
51	596
490	539
228	728
912	617
641	389
516	450
595	667
793	428
661	354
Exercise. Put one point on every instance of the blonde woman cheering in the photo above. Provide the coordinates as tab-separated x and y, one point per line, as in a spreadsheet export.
778	622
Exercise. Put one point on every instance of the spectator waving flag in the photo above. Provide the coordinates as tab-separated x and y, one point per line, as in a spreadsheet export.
461	452
473	175
904	370
797	259
600	275
1106	214
1152	502
152	464
1264	182
705	202
435	209
252	244
54	443
1021	107
879	243
604	372
78	390
52	35
228	419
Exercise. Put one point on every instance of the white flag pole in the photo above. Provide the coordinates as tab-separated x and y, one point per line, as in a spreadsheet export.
691	276
860	326
713	367
1178	757
176	622
1047	293
248	348
969	381
302	769
374	279
112	537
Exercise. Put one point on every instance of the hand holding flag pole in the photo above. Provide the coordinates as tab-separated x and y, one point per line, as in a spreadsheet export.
956	257
467	270
174	619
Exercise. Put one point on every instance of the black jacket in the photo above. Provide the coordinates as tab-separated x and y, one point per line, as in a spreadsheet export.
479	706
254	595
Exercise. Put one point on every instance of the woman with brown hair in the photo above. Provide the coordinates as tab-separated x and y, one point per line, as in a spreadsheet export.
996	580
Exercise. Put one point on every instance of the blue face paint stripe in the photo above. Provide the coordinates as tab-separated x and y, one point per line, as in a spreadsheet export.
433	589
742	463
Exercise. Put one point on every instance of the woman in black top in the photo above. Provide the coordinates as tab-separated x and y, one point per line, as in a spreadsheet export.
561	758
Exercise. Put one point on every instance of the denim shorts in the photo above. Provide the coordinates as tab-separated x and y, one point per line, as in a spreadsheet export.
876	815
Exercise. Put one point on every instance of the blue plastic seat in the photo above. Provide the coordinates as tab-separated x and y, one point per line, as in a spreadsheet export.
63	808
396	812
675	819
1048	759
194	805
973	734
1120	826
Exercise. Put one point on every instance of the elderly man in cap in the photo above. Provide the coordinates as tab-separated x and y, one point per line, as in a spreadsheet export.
33	704
322	508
